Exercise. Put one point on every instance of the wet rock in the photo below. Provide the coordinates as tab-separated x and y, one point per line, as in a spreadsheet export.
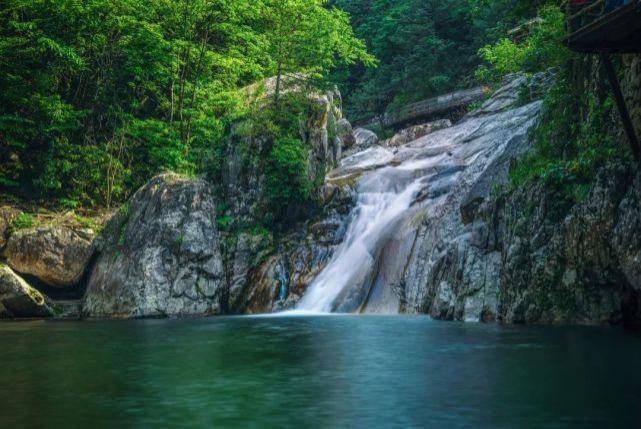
626	239
413	133
494	179
249	251
454	268
364	138
160	255
55	255
19	300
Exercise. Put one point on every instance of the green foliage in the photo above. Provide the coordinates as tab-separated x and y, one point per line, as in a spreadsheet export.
90	223
286	175
573	140
541	50
224	222
99	95
424	47
23	221
308	38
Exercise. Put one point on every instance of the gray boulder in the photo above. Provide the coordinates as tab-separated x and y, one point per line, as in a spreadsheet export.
365	138
345	133
160	255
56	255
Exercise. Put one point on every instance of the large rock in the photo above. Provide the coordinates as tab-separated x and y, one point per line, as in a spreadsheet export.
522	259
345	133
56	255
416	132
160	255
365	138
7	216
19	300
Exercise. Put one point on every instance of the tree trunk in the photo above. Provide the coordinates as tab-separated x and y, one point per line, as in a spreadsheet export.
278	81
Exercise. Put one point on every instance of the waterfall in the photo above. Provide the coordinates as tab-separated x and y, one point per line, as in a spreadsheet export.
422	170
396	183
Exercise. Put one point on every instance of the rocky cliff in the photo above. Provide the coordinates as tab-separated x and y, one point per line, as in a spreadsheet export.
466	248
516	257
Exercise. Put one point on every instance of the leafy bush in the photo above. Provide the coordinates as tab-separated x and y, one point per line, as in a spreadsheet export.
570	147
23	221
286	176
541	50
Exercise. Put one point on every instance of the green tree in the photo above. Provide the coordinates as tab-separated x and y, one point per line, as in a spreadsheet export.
308	38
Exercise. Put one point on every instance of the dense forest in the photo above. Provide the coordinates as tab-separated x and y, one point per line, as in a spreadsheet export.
98	95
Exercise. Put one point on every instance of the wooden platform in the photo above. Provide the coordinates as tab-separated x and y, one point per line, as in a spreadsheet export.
616	32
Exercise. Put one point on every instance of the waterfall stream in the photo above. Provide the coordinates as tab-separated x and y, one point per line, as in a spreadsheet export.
394	185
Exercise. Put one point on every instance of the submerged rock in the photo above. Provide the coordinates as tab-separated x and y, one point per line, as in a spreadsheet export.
160	255
55	255
19	300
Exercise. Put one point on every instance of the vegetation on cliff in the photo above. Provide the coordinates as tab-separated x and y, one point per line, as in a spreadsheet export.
98	96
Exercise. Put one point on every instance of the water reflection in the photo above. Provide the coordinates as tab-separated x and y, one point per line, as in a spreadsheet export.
316	372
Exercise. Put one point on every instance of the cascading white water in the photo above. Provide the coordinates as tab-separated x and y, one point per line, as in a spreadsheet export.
424	178
391	184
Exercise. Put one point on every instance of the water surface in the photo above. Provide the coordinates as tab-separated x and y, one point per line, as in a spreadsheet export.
316	372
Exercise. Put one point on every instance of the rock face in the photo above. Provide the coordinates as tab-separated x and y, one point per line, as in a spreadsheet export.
416	132
160	255
578	268
56	255
514	257
345	134
520	261
267	274
19	300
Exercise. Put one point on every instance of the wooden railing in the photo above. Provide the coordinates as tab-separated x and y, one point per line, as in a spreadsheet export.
579	16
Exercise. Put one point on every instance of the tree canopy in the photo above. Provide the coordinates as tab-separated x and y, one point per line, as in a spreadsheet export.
98	95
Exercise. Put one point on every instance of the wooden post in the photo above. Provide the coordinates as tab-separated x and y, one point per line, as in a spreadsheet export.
623	110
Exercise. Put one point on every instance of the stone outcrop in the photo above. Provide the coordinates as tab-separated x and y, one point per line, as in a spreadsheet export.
55	255
345	134
520	261
416	132
518	257
19	300
267	274
243	188
160	255
364	138
576	268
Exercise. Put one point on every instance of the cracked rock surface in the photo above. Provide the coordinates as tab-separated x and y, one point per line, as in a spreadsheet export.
160	255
